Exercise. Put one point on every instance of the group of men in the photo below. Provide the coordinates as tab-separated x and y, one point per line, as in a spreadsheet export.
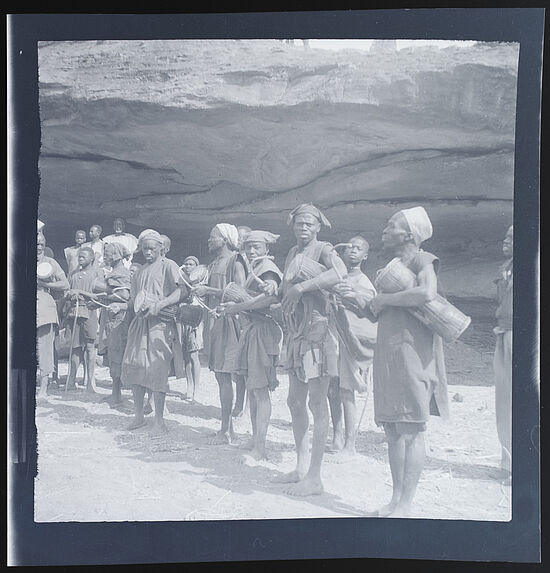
320	318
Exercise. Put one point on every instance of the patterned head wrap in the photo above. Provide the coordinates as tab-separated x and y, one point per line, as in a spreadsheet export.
191	258
263	236
230	235
119	251
419	223
151	235
309	209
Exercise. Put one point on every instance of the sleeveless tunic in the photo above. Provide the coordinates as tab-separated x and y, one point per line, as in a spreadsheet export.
409	378
221	335
261	336
312	345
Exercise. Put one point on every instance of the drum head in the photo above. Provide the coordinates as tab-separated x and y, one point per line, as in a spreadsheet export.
43	270
199	274
139	300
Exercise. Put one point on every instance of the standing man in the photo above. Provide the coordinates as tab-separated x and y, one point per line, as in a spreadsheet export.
409	376
147	357
126	239
503	355
82	317
46	313
96	244
312	348
71	253
221	334
356	342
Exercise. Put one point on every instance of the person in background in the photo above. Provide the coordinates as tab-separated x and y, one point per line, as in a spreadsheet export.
502	361
126	239
96	244
46	314
71	253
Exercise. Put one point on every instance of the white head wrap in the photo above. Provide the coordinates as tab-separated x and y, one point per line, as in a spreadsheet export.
39	225
419	223
230	234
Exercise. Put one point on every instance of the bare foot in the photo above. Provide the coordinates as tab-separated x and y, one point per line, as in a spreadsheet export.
401	510
342	457
147	409
158	428
90	389
113	401
249	445
384	511
42	397
237	412
305	487
71	387
137	423
338	441
258	454
292	477
219	439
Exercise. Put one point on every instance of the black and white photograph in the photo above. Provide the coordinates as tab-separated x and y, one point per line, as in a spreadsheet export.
274	279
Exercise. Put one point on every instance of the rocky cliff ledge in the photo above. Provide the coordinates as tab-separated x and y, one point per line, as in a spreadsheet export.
179	135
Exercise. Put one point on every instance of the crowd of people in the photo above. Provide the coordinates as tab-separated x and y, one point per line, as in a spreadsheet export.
320	318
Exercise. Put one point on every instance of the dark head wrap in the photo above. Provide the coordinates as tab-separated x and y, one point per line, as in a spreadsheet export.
309	209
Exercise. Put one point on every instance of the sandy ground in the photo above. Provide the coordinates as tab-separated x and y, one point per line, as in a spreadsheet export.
91	469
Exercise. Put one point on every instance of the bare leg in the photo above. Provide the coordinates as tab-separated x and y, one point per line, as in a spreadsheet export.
147	409
296	401
195	372
335	404
262	415
116	395
158	424
139	395
239	398
415	454
350	414
396	455
311	483
76	357
225	387
43	392
90	367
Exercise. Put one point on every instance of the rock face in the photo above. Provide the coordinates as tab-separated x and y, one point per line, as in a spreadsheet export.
180	135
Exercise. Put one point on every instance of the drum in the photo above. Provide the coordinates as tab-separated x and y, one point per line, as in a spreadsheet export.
144	299
44	270
199	275
443	318
394	277
235	293
302	268
190	314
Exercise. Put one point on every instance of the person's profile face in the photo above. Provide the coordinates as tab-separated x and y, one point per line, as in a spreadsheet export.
151	250
255	249
108	255
356	253
215	240
189	265
306	227
133	270
395	232
94	233
40	245
118	225
508	243
80	237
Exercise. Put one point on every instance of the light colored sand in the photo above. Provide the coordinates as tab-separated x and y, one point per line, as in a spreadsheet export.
91	469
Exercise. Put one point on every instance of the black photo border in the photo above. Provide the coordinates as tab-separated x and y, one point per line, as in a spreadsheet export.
33	543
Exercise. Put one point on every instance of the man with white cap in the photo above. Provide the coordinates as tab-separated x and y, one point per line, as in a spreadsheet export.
126	239
312	345
409	380
221	334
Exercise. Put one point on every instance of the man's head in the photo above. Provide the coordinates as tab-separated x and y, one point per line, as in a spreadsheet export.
305	227
357	252
95	232
40	244
134	268
166	244
256	243
223	234
151	249
243	231
118	225
508	243
86	257
80	237
397	233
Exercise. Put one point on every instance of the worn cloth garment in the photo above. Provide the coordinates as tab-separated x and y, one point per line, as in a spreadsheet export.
311	347
128	240
148	352
505	284
47	320
353	369
115	327
221	335
71	256
261	336
409	378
